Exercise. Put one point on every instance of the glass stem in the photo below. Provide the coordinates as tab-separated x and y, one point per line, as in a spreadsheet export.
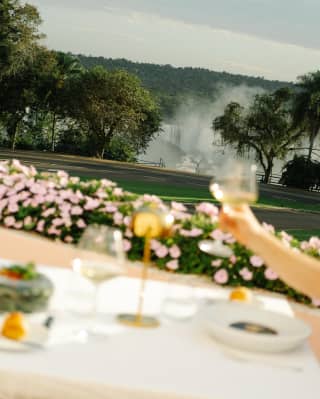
95	303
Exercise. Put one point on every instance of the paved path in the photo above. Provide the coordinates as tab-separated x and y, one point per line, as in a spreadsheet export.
90	167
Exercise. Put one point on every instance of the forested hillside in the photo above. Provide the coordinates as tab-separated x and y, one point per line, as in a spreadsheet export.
171	84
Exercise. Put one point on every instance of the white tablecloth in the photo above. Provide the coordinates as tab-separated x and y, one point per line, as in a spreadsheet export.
178	357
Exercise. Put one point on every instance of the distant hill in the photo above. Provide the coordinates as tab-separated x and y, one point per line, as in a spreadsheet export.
170	85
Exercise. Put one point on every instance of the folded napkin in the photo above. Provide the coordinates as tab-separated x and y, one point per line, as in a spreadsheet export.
31	386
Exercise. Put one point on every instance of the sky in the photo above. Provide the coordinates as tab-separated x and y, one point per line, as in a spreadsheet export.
275	39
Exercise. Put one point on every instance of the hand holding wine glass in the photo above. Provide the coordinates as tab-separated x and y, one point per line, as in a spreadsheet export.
233	187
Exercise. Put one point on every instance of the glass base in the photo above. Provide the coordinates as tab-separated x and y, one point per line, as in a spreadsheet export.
133	320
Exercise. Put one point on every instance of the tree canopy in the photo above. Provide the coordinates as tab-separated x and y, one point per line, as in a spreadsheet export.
19	35
266	127
307	107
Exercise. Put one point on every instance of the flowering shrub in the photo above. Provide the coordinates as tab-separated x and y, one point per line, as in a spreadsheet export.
60	207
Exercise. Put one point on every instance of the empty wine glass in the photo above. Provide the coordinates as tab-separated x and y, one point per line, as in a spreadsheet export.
107	241
234	185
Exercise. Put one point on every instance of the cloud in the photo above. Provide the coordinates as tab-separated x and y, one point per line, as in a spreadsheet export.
113	29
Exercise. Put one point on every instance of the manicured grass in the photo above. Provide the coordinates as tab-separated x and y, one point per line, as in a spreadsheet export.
304	234
191	195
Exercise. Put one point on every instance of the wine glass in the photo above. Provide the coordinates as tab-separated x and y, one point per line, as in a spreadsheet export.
235	185
107	241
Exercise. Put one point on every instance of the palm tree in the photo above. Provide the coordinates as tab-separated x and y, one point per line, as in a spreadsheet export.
67	67
307	107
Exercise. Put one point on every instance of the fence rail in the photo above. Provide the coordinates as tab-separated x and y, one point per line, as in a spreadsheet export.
159	164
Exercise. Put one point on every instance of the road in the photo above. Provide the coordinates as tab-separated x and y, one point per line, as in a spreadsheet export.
89	167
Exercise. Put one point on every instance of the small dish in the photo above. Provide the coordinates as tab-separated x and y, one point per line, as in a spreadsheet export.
250	328
36	338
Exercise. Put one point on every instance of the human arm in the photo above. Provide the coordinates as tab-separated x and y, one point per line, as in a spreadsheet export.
298	270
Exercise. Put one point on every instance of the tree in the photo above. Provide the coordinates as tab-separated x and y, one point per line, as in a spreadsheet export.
54	89
19	93
19	35
307	107
266	128
113	103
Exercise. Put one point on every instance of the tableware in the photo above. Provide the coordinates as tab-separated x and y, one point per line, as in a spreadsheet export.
108	241
148	222
25	295
235	184
37	336
250	328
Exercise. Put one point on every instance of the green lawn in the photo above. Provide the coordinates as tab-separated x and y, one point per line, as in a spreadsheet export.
187	195
304	234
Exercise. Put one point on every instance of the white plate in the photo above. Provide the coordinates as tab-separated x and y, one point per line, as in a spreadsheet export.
291	332
37	337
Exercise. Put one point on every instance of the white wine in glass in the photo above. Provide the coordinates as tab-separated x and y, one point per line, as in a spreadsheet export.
235	185
107	241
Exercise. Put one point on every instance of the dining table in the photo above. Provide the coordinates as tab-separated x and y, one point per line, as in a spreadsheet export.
179	359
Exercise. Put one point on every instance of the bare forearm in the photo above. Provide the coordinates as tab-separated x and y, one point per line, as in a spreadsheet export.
298	270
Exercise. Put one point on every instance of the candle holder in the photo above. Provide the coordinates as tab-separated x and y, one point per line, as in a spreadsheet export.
148	222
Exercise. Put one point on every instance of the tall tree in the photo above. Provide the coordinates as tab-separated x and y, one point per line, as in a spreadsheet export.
113	103
54	89
19	35
266	127
307	107
19	94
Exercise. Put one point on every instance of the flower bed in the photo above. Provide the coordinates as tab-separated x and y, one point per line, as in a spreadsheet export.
60	207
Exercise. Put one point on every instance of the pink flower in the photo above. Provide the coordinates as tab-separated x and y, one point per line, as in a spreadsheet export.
68	239
76	210
118	192
128	233
216	263
3	190
208	209
175	252
126	245
221	276
62	174
155	244
162	251
304	245
53	231
316	302
110	208
233	259
195	232
40	226
9	221
117	218
27	220
270	274
217	235
48	212
127	220
13	208
58	222
285	236
268	227
246	274
172	264
91	204
180	215
18	225
256	261
19	186
314	242
177	206
81	224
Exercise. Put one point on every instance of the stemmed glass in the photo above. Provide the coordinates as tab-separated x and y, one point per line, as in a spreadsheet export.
107	241
235	185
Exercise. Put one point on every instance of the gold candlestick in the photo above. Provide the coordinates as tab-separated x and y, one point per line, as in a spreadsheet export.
149	223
